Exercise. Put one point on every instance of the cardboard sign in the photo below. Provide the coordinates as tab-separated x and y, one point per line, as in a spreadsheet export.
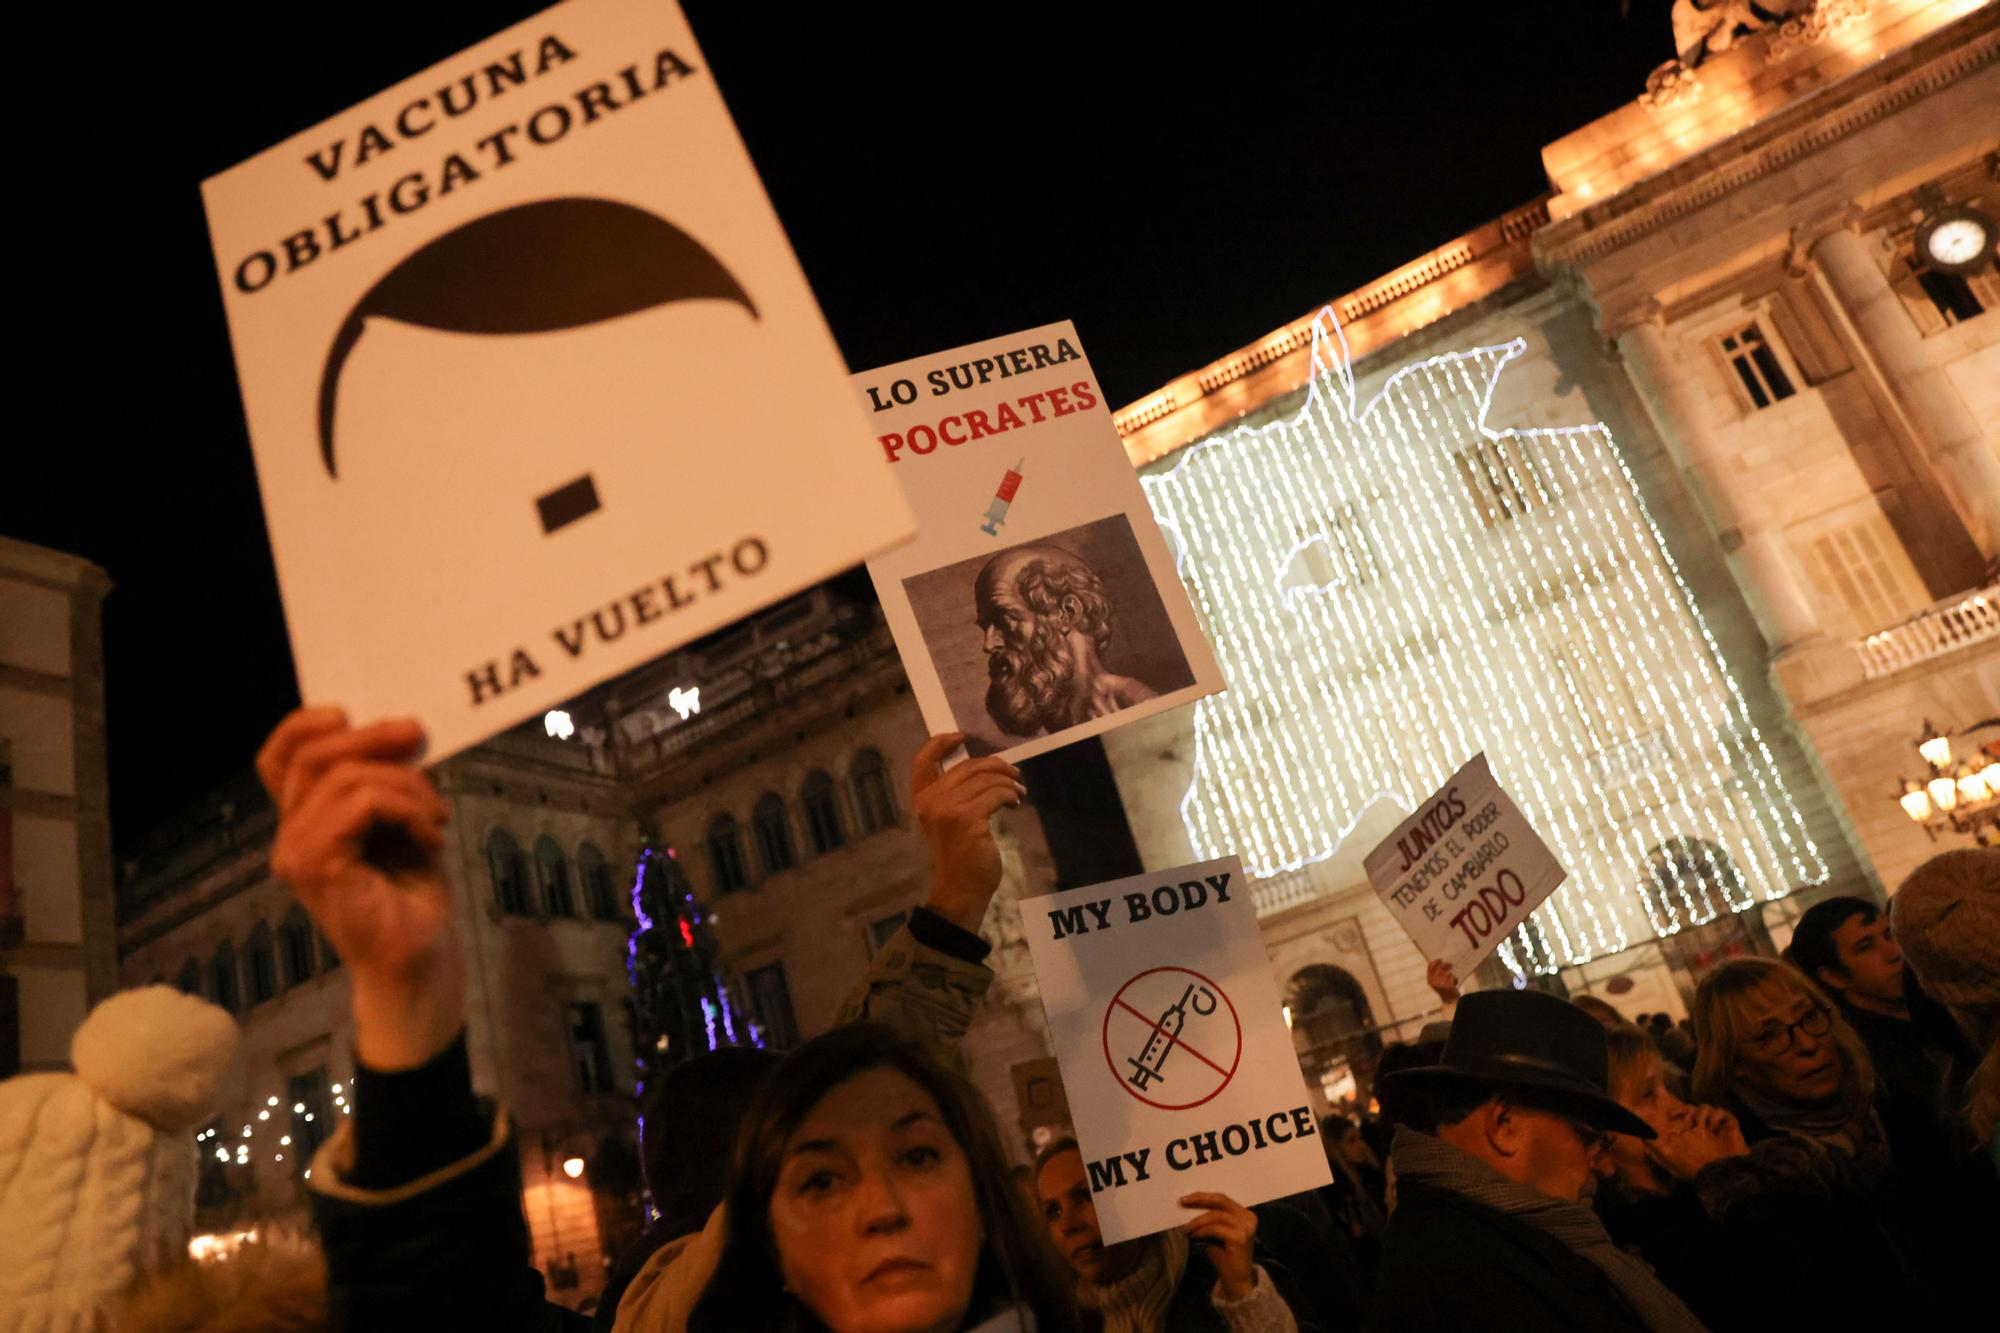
1464	870
1180	1071
536	387
1039	603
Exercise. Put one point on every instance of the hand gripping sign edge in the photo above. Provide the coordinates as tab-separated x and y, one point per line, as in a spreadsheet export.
1235	1022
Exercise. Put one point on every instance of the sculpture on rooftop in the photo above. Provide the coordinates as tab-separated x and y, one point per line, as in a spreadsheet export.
1704	28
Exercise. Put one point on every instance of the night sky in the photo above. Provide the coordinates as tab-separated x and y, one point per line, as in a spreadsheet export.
1178	183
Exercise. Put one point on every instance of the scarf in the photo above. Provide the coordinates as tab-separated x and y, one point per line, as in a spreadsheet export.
1847	1125
1137	1302
1421	1158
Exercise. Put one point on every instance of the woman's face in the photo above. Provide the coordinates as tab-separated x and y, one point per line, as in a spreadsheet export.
874	1217
1785	1048
1642	1090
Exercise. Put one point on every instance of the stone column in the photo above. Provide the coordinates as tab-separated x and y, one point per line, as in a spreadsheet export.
1757	553
1948	431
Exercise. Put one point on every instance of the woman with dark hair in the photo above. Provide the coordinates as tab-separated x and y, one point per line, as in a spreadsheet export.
870	1193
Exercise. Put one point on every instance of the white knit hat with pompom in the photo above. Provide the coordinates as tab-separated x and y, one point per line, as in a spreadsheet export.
97	1168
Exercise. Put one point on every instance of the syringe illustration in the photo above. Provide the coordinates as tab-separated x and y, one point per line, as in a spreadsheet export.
1003	500
1151	1061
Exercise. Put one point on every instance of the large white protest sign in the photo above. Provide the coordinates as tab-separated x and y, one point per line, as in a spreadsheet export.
1464	870
536	387
1038	603
1178	1066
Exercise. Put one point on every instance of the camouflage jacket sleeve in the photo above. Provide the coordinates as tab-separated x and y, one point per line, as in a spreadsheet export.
927	981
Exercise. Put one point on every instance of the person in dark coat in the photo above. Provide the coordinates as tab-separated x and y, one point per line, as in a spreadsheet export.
1921	1058
1491	1230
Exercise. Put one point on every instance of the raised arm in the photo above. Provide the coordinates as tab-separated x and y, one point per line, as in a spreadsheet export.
930	977
418	1194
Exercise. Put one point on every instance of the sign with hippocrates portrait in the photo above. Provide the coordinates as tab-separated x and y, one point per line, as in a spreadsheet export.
1176	1058
1039	603
536	387
1464	870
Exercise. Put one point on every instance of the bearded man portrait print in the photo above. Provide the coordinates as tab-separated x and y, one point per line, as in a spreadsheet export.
1040	637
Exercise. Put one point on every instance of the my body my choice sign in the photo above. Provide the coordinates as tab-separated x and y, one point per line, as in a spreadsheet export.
1463	871
1179	1068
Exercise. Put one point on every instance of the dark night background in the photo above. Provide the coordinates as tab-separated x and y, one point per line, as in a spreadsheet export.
1176	183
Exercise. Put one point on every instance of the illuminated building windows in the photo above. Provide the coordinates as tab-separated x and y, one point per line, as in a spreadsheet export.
509	870
771	997
874	800
296	940
599	897
222	977
1860	567
772	825
725	854
589	1053
262	965
553	869
822	810
1331	550
1501	478
1763	377
1951	294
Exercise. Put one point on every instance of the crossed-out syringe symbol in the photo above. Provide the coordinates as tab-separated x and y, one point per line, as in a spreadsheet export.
1148	1065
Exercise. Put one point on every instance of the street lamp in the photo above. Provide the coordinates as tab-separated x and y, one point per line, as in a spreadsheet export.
1962	796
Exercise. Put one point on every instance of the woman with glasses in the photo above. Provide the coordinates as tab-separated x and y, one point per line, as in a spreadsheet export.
1817	1185
1775	1265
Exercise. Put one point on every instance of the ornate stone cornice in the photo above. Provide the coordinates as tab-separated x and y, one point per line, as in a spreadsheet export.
1812	125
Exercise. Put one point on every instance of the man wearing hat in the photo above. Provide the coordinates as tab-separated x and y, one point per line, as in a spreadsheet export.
1492	1229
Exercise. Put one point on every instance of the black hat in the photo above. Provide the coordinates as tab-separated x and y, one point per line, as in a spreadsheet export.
1528	1039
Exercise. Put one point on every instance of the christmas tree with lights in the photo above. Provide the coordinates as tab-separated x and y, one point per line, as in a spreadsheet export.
683	1002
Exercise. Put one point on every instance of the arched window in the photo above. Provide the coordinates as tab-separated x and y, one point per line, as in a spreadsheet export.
725	854
874	802
816	795
1333	1026
189	981
296	937
263	970
599	898
1703	910
552	867
510	871
222	977
1693	882
773	828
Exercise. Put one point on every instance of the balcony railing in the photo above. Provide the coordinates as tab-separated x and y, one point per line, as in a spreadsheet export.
1944	628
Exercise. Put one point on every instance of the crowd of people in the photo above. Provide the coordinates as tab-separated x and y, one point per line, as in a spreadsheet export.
1815	1148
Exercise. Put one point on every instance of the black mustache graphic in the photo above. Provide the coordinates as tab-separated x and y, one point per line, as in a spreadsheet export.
535	268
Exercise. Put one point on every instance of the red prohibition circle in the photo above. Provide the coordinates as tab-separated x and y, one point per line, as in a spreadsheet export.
1235	1023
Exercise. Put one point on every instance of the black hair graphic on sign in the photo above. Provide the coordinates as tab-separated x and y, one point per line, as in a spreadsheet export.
535	268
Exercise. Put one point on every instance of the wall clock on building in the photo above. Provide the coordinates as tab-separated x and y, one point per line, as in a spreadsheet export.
1957	239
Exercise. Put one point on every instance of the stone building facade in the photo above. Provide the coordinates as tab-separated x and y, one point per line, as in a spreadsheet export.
57	939
539	850
1725	276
